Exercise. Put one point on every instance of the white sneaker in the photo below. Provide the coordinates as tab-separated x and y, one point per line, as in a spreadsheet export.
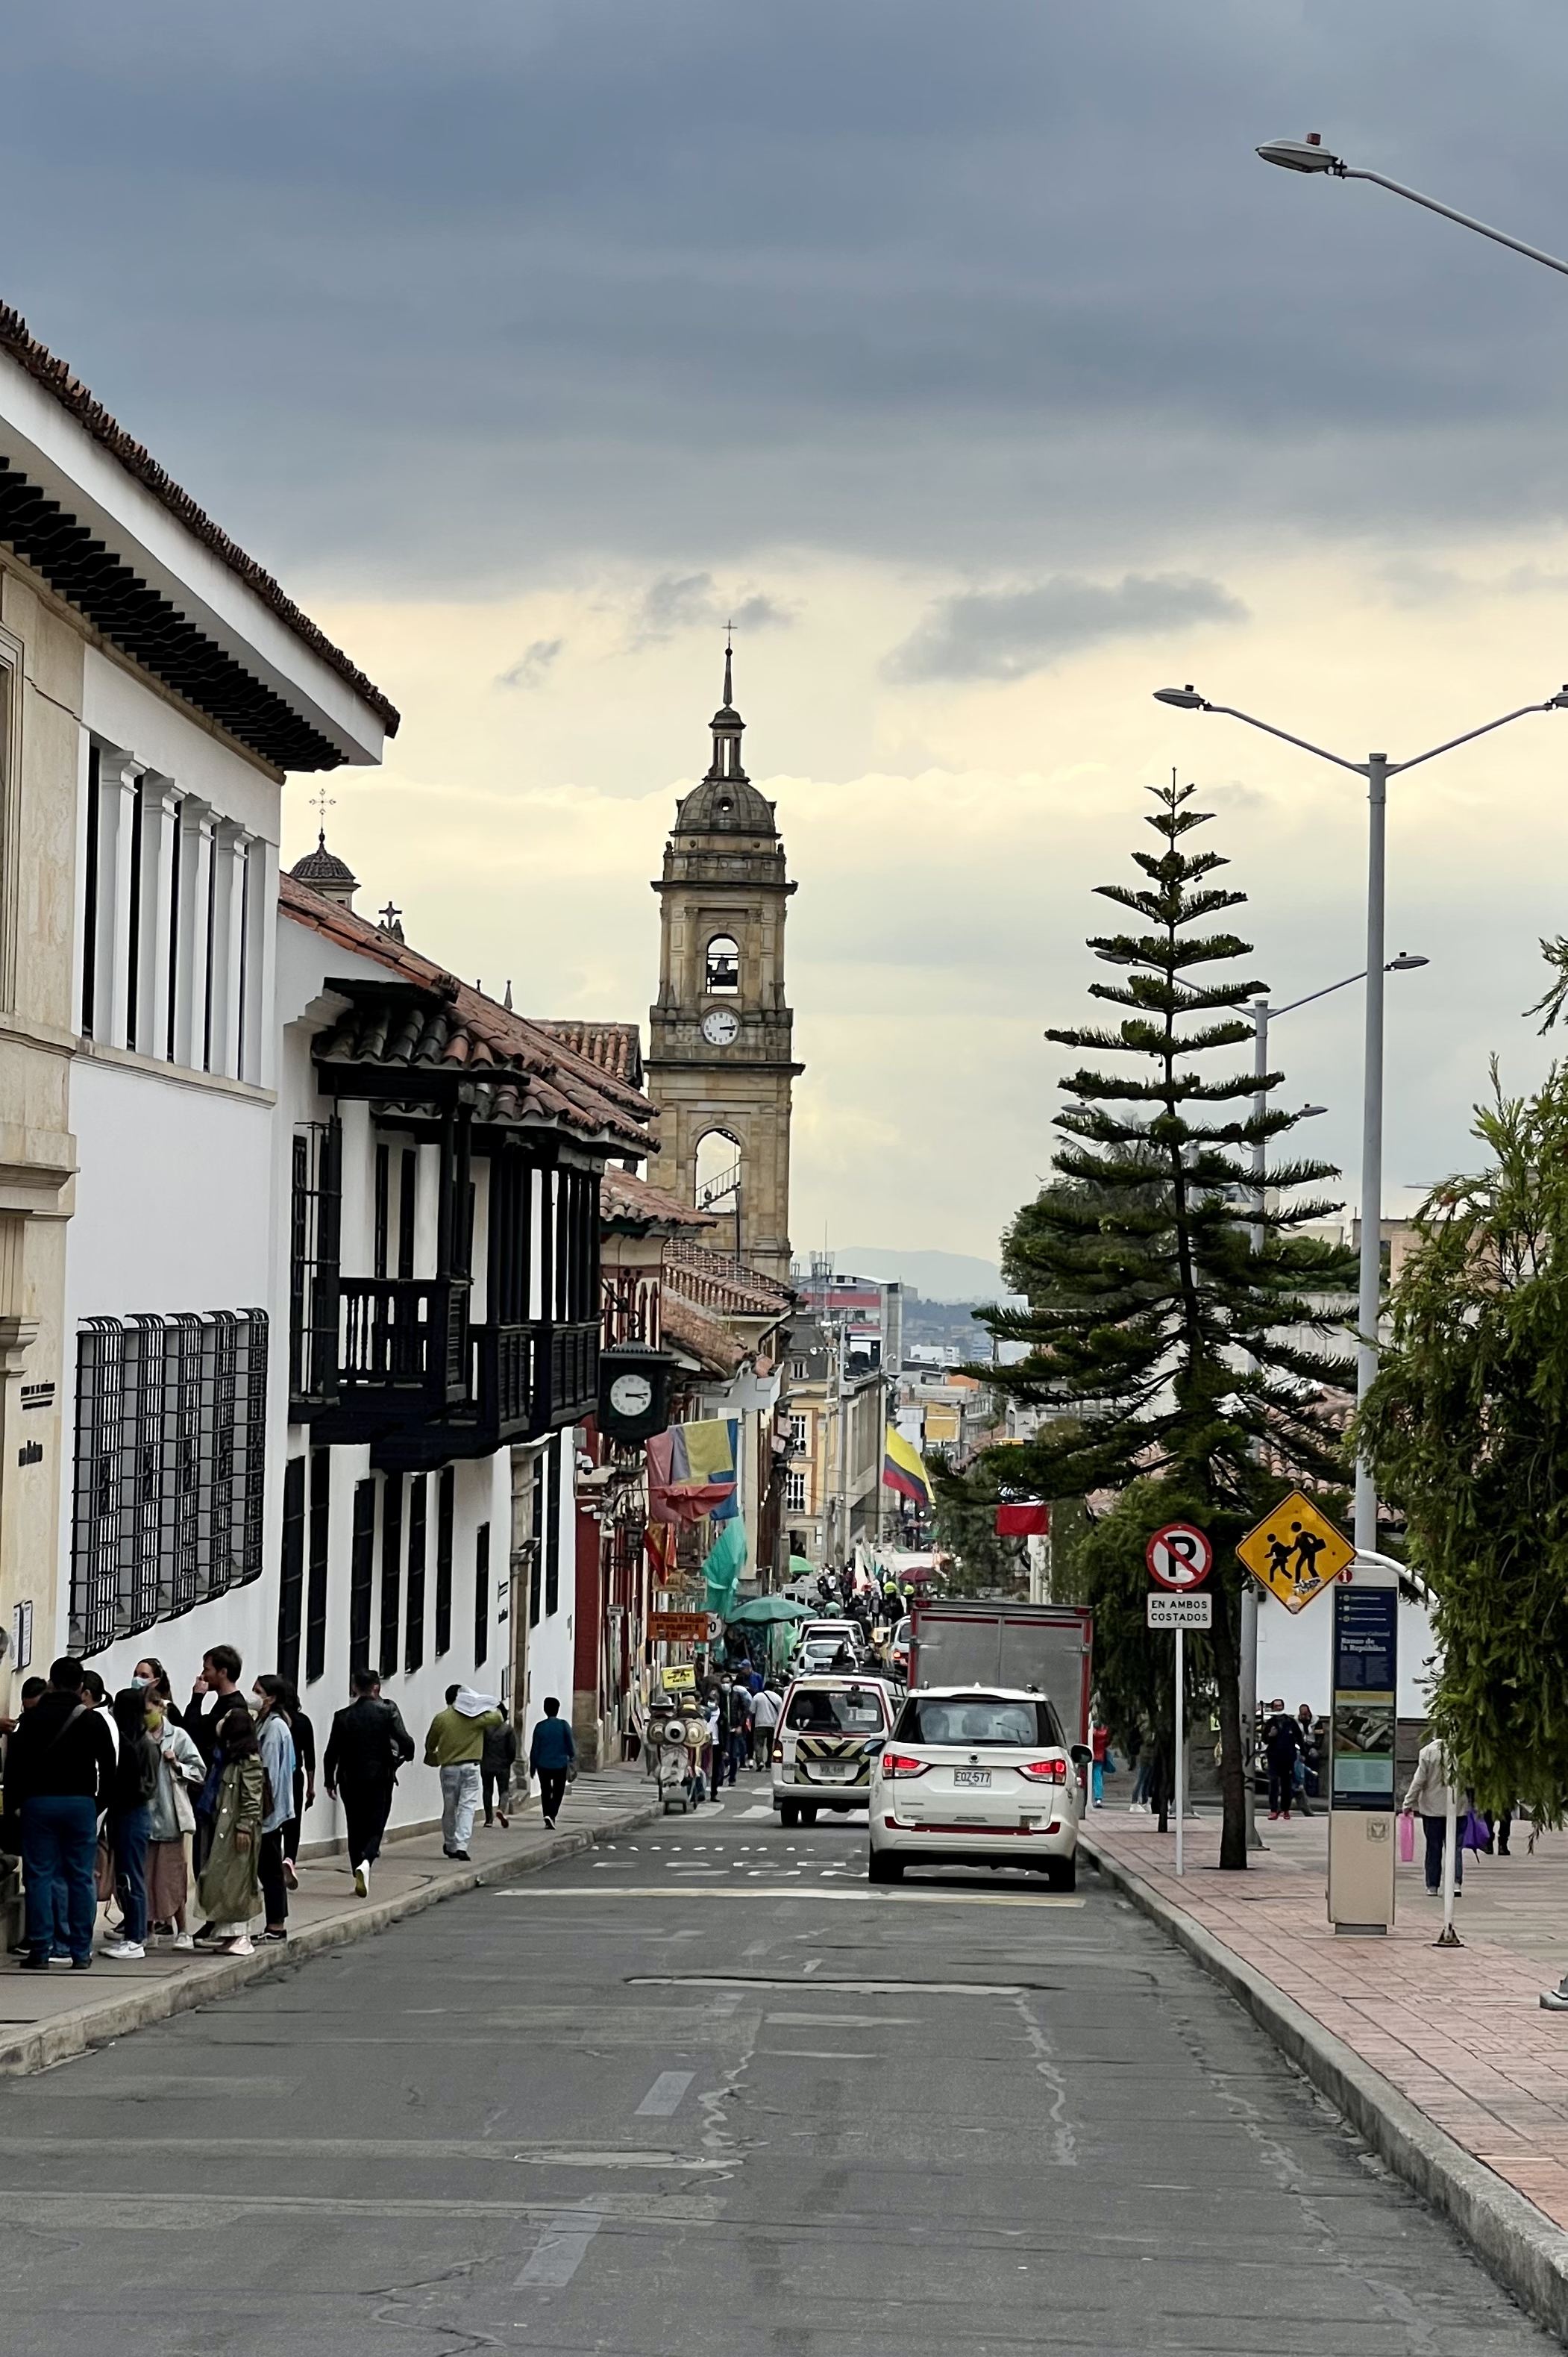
120	1950
182	1941
240	1947
361	1882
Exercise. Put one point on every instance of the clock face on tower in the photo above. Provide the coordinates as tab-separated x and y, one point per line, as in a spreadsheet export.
720	1027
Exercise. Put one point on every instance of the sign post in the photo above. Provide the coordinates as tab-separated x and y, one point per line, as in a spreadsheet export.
1180	1557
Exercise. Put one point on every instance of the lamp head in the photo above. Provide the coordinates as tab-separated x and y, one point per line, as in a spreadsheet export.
1308	155
1306	1113
1558	703
1406	963
1186	699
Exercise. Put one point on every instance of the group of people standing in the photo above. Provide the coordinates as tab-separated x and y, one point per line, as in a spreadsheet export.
742	1707
135	1803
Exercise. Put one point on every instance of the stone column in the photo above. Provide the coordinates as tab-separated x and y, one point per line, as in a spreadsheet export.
195	830
160	815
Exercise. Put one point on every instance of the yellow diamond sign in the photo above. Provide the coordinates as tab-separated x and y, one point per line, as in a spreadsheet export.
1296	1552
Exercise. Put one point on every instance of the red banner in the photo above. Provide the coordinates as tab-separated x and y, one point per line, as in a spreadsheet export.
1032	1520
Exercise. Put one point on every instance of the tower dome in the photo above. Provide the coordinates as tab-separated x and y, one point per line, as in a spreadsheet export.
727	802
327	874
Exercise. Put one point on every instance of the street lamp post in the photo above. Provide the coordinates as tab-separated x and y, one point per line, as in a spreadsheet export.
1377	769
1310	155
1263	1015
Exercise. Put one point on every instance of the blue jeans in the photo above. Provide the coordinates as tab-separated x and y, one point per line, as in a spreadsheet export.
59	1842
129	1835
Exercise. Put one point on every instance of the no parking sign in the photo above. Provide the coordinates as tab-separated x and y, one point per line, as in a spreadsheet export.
1179	1556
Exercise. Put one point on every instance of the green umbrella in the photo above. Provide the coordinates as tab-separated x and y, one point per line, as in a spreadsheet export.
800	1568
764	1608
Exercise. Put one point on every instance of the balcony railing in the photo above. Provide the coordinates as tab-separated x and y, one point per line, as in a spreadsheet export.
525	1381
402	1355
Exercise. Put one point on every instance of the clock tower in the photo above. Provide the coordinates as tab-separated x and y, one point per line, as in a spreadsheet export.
719	1066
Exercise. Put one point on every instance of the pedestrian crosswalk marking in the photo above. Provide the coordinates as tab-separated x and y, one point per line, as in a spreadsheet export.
561	2250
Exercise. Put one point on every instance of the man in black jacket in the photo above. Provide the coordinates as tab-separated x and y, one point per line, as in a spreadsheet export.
59	1770
368	1745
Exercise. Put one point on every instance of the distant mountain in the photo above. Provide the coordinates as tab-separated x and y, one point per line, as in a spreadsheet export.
939	1275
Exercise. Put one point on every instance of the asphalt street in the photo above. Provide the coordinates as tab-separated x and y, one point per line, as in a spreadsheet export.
706	2091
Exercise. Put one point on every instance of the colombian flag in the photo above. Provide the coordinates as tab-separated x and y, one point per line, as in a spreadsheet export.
903	1470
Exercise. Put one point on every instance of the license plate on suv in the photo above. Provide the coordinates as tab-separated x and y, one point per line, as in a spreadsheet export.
971	1775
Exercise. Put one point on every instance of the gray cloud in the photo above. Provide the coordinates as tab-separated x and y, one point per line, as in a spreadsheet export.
980	282
533	666
1009	633
689	601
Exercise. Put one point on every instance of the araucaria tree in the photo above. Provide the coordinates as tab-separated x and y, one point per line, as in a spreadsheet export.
1466	1427
1177	1328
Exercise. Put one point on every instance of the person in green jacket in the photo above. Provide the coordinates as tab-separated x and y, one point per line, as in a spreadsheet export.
455	1744
230	1888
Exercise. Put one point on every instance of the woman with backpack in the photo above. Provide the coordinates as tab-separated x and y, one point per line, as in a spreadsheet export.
129	1813
230	1888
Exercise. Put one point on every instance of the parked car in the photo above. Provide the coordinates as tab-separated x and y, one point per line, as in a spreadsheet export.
830	1731
971	1777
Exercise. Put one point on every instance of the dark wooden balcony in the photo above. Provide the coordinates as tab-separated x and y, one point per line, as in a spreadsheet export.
526	1380
403	1356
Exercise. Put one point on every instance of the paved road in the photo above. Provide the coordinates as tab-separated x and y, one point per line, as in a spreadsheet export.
707	2092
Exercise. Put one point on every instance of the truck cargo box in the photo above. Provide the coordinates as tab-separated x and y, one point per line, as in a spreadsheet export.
1046	1646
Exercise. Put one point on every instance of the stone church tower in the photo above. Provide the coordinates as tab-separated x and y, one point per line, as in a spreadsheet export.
719	1064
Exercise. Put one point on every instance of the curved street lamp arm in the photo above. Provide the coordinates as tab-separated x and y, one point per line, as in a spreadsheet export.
1284	734
1552	704
1466	220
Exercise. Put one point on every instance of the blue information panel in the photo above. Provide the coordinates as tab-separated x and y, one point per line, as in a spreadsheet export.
1366	1625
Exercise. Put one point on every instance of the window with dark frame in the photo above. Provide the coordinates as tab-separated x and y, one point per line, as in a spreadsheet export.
482	1593
362	1574
414	1633
553	1531
383	1188
291	1577
320	1533
170	1468
315	1225
134	926
444	1486
391	1571
175	852
89	898
536	1551
407	1202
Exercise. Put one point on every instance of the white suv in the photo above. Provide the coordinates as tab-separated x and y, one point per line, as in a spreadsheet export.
973	1777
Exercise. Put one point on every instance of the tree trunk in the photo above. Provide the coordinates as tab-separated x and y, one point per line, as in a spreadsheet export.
1224	1638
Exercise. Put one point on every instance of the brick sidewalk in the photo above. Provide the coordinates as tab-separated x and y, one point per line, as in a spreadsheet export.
1458	2031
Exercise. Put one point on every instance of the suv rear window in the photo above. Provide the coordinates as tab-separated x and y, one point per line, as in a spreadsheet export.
819	1710
976	1720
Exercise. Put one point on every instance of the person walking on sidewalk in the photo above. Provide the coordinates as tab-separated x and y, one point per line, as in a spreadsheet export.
455	1743
367	1746
1282	1747
552	1755
1430	1797
274	1739
229	1889
130	1822
497	1761
1099	1744
60	1769
304	1735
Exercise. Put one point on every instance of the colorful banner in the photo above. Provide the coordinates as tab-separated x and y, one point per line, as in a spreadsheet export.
1026	1519
691	1471
725	1562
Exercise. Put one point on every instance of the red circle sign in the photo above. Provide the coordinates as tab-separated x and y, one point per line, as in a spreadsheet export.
1179	1556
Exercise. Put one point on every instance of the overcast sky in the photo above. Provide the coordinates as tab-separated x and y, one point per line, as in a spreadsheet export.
965	353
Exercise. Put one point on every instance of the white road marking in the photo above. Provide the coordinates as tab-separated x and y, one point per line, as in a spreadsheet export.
813	1965
561	2250
864	1896
845	2020
818	2054
663	2098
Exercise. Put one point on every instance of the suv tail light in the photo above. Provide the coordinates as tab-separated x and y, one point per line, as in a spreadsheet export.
1046	1771
899	1763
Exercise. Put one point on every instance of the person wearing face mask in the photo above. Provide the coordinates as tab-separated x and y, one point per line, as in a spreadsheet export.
171	1821
274	1739
153	1678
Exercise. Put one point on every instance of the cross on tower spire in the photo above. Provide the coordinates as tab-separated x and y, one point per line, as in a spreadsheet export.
730	658
321	801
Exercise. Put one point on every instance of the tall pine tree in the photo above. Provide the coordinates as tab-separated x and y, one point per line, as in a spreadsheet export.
1168	1350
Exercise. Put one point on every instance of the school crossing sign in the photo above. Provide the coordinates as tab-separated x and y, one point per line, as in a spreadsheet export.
1296	1552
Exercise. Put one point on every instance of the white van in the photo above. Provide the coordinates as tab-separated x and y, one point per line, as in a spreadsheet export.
830	1731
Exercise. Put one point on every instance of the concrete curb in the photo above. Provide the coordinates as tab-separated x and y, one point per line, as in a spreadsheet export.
1514	2241
39	2046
